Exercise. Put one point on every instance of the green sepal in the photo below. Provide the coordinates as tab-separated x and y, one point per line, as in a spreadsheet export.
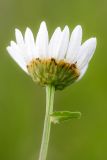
57	73
61	116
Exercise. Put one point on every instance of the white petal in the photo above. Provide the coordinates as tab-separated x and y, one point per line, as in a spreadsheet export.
23	48
30	44
64	43
86	52
82	72
19	37
55	43
16	48
74	44
18	58
42	41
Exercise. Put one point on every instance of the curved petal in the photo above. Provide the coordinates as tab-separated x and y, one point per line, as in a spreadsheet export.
74	44
30	44
17	57
19	37
54	43
63	43
42	41
86	52
22	47
82	72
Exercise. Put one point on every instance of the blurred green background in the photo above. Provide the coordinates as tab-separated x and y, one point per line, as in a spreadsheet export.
22	103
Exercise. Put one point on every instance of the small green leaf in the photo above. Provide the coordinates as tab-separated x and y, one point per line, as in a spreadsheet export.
61	116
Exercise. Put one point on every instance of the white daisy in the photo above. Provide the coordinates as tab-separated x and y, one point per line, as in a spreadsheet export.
60	61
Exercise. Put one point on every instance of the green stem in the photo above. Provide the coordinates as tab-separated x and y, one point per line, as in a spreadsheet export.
47	123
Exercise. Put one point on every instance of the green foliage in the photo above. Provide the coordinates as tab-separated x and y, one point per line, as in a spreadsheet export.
61	116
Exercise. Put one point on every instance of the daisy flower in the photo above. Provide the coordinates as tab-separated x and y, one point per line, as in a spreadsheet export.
59	61
54	63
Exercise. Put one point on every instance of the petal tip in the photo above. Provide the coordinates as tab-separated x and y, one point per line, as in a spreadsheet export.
77	31
8	48
78	27
28	33
12	43
16	29
27	29
58	29
43	27
43	24
93	41
17	32
66	28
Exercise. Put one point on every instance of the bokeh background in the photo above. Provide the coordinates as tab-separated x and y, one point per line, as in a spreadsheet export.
22	103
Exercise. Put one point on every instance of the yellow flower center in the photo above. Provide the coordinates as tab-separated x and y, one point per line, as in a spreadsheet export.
50	71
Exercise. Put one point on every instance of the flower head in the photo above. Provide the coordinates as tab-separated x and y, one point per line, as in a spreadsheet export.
60	61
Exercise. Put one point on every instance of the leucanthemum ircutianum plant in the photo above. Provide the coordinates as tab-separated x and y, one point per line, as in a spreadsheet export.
54	64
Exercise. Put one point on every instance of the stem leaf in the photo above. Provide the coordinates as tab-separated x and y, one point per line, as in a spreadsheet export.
61	116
